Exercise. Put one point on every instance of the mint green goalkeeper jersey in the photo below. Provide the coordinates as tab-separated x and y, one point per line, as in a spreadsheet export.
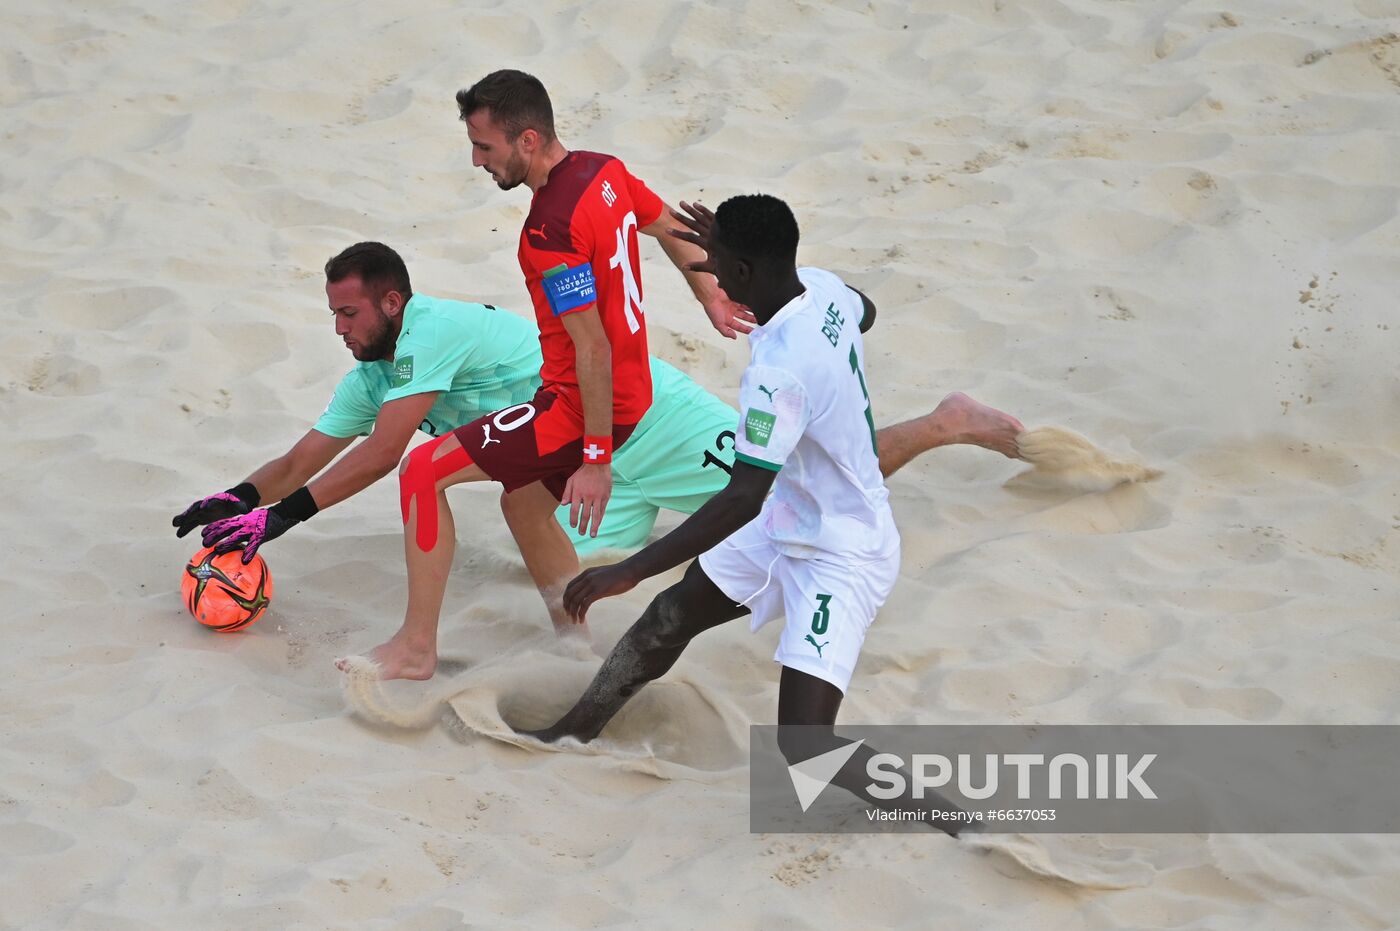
479	357
482	359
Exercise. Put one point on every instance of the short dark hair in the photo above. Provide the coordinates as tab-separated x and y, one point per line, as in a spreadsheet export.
758	226
379	267
517	101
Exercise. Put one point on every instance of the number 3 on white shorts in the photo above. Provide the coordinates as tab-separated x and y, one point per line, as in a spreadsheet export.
822	618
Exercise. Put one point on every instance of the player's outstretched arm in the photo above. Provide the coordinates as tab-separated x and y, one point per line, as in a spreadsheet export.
287	473
378	455
738	503
362	467
272	481
729	318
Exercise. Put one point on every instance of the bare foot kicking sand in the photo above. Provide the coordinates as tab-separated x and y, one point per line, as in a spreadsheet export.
362	689
397	659
976	423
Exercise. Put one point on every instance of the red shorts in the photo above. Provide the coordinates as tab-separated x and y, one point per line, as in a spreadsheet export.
538	441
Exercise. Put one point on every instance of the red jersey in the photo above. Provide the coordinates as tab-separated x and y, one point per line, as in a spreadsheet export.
578	248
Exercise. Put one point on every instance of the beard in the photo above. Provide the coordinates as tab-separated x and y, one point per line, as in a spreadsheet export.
381	344
513	175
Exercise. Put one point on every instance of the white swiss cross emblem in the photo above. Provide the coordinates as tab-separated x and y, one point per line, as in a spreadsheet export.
609	195
593	452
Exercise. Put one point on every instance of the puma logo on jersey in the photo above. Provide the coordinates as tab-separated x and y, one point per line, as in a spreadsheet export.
487	439
769	393
813	641
536	232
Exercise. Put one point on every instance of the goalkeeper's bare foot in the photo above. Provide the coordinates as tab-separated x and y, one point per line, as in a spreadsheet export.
400	658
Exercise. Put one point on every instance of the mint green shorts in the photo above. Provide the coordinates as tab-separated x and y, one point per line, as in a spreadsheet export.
678	458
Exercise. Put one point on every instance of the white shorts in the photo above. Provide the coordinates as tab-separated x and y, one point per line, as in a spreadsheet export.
828	605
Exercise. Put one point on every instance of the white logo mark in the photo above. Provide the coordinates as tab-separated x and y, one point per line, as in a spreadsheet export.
810	777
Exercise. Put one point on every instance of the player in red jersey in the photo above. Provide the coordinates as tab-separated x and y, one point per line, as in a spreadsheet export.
578	250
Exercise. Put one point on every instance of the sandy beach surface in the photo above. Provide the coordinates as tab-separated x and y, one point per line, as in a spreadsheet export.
1169	226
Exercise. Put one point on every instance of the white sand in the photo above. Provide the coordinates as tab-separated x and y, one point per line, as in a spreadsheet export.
1168	226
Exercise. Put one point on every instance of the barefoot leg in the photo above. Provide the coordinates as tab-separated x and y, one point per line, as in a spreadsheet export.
958	419
652	645
412	652
545	547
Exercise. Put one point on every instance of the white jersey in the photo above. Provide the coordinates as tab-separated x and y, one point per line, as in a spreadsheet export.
804	411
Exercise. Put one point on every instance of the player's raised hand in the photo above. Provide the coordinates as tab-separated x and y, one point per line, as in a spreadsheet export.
229	503
592	584
728	317
587	494
699	221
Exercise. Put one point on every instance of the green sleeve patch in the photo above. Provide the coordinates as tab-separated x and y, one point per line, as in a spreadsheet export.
403	372
770	466
758	427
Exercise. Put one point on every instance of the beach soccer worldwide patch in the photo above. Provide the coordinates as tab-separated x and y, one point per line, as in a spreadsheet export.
758	427
403	372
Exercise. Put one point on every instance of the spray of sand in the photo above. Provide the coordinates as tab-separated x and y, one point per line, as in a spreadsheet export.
364	693
1064	459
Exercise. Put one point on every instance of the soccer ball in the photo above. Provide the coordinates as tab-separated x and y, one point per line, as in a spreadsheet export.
222	593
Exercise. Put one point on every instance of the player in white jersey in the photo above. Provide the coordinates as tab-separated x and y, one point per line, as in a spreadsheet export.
824	551
820	551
